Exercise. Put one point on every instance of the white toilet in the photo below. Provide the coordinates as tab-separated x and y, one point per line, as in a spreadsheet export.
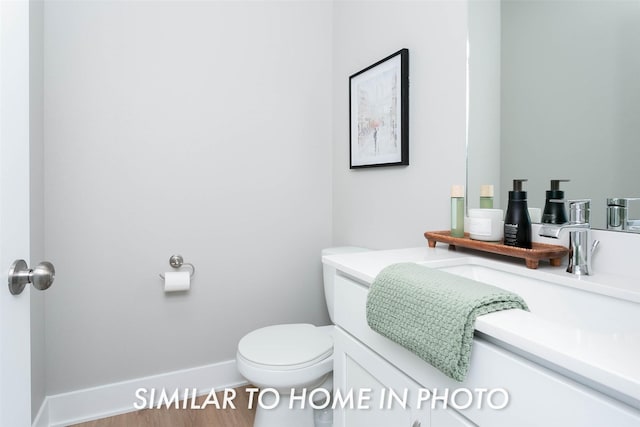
289	356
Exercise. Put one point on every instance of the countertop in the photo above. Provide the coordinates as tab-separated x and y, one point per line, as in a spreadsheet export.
608	362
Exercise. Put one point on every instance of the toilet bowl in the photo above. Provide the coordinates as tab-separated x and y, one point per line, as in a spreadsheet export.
298	356
281	358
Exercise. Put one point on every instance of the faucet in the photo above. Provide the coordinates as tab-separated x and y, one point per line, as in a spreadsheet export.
618	214
581	244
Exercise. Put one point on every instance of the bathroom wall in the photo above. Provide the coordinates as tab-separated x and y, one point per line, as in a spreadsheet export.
198	128
36	201
392	207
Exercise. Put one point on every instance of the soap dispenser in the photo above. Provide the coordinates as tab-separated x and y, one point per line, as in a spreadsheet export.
554	211
517	223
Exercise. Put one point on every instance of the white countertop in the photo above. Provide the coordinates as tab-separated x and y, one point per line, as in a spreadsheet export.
365	266
607	362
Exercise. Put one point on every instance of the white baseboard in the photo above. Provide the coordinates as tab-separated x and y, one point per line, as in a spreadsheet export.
118	398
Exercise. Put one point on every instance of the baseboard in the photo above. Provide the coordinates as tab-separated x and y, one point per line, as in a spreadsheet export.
118	398
42	418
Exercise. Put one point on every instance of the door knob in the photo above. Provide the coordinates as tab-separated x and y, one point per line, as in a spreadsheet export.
41	277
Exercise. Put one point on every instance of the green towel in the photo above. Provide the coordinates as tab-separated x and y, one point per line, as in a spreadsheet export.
433	313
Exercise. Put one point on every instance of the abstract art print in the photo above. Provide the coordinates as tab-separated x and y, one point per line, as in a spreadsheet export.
379	113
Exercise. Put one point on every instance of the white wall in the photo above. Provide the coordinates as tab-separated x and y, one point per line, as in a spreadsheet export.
205	129
393	206
182	127
36	191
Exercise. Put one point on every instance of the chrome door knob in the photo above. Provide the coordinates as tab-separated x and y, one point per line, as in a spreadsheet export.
41	277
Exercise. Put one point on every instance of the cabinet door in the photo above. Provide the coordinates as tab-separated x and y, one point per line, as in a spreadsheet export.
382	395
449	417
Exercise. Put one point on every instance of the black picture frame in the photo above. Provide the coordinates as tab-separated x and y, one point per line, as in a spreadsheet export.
379	113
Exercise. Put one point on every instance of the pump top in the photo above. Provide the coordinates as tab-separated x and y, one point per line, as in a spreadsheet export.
517	184
555	183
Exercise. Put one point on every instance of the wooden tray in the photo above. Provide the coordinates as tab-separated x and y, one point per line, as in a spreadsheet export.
532	257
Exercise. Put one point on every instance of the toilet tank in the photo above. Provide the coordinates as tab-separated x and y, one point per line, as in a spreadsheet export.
328	273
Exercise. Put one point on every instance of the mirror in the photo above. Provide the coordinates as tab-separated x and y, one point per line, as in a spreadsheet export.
554	93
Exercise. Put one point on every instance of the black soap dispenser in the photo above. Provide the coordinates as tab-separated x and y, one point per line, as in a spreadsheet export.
554	211
517	223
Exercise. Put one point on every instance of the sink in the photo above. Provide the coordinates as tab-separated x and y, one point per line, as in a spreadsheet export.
586	327
550	299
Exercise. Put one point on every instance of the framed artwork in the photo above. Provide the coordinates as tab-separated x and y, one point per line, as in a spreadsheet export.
379	113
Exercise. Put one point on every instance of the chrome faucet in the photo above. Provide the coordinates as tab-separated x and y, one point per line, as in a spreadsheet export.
581	244
618	214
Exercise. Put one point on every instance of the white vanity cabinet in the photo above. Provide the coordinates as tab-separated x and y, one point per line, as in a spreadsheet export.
449	418
538	395
360	371
365	373
357	368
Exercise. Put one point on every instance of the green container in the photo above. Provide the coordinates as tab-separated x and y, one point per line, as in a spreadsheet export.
486	196
486	202
457	211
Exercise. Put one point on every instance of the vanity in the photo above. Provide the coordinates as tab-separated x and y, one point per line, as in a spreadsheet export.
573	360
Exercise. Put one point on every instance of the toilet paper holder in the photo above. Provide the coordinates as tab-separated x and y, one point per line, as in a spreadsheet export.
176	261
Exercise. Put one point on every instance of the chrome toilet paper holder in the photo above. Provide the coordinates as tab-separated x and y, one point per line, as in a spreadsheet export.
176	261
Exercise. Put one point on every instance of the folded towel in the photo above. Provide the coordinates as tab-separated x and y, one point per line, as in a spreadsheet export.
433	313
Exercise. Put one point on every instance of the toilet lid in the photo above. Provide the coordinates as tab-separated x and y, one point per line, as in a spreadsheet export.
289	345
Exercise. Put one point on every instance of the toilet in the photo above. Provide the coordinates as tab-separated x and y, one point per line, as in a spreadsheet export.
282	357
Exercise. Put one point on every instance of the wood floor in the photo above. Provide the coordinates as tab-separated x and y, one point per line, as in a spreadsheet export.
209	416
